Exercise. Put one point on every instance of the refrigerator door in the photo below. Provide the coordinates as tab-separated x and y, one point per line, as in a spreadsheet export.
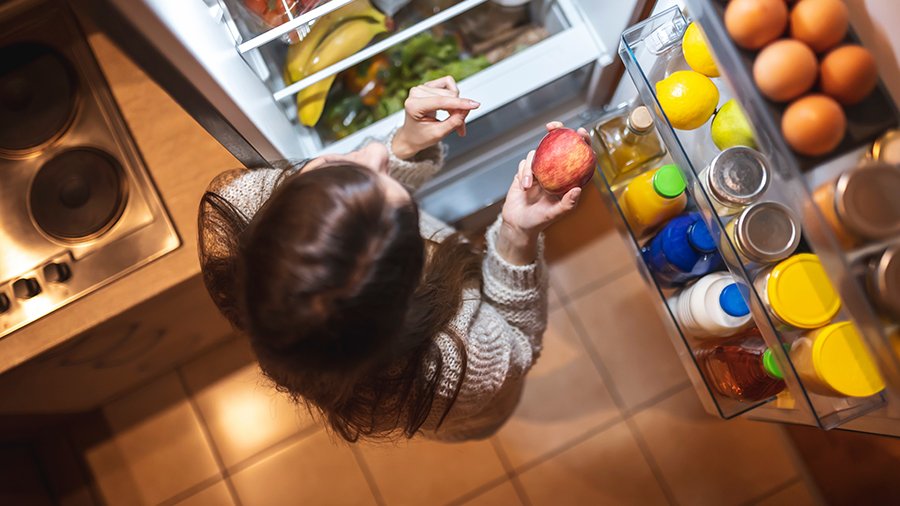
230	81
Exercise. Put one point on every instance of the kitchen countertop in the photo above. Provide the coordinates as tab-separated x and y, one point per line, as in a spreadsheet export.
182	158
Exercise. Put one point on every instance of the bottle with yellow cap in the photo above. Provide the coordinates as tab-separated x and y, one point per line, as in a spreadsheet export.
654	197
798	292
834	361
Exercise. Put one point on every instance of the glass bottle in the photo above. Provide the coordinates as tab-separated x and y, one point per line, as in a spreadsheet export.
742	368
627	143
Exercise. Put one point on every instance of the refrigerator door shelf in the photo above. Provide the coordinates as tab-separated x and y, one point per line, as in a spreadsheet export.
652	51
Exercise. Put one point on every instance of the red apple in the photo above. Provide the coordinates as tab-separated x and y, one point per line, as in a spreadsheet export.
563	161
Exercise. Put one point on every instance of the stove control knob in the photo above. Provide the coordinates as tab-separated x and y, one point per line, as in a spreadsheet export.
4	303
26	288
57	272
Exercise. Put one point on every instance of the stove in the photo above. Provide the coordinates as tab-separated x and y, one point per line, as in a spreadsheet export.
77	206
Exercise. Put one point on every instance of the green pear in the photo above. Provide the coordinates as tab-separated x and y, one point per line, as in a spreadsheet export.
731	128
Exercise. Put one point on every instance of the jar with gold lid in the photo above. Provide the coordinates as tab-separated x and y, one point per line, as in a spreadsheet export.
862	204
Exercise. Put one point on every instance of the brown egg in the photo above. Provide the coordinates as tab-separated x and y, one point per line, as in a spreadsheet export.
848	74
754	23
785	69
813	125
822	24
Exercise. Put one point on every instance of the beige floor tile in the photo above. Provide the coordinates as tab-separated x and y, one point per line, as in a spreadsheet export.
244	413
427	472
564	397
502	495
158	448
710	461
795	495
314	470
552	296
216	495
585	247
630	338
602	257
608	468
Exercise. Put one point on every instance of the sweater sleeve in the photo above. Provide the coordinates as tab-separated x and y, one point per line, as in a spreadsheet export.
417	170
517	292
497	358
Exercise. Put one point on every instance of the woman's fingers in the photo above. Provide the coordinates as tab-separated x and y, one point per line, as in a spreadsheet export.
553	125
424	91
570	199
529	176
427	106
446	82
520	175
584	135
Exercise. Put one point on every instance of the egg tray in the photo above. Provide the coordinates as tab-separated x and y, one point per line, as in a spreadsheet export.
866	121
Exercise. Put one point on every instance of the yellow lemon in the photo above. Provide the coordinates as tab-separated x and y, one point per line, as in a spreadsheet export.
688	98
697	53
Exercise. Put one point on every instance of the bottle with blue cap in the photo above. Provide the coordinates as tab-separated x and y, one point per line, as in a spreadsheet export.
681	251
714	306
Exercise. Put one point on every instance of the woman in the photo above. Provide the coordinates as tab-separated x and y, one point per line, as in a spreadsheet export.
381	318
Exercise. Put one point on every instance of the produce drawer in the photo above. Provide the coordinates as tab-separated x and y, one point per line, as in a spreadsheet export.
554	39
651	52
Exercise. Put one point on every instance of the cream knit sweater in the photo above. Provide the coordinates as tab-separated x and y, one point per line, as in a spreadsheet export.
502	323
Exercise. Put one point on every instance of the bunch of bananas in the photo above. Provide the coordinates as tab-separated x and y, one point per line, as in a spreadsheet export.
333	37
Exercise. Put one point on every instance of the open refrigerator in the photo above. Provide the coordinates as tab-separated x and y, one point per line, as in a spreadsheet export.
559	59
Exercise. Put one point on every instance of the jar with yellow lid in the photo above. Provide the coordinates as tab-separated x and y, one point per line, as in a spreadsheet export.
834	361
862	204
798	292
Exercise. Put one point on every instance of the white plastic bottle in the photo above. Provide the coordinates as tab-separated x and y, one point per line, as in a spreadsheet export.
712	307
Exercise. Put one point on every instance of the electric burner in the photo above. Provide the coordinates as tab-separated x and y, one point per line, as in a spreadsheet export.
78	209
77	194
37	96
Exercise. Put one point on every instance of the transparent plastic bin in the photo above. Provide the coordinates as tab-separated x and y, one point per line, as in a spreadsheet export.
651	51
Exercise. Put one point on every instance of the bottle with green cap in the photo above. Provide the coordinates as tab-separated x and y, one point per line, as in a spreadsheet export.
653	198
742	368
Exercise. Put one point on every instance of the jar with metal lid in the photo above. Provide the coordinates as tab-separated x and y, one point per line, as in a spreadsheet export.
887	148
883	280
798	293
765	232
736	178
862	204
833	361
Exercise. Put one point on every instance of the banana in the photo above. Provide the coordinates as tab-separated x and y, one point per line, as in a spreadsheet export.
345	40
299	53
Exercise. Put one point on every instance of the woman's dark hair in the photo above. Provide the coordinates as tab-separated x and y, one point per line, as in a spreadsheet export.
340	296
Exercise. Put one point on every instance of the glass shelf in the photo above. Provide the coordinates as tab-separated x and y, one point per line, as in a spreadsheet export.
652	51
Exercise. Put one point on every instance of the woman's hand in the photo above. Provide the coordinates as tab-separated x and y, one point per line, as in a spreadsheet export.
528	210
421	127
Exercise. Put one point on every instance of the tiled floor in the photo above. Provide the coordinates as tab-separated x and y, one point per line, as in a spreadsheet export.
608	417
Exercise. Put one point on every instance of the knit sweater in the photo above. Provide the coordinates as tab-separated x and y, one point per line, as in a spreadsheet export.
502	323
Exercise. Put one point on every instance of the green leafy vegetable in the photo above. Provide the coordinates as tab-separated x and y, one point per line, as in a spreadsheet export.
422	58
